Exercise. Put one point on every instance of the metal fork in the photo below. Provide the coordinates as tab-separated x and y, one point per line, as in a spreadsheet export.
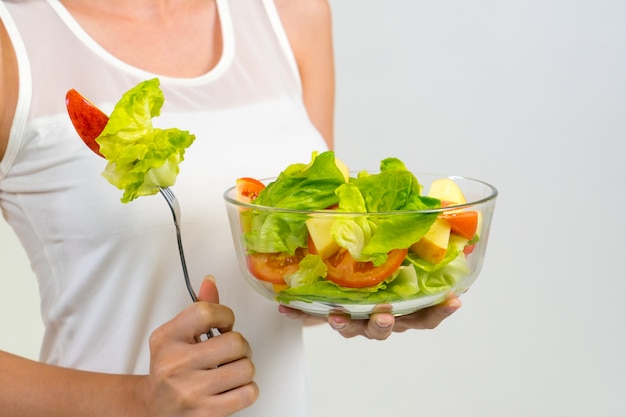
172	201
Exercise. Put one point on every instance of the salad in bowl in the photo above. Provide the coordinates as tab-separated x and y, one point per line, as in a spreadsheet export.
321	239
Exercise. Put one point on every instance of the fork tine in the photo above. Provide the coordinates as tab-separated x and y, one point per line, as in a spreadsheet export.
169	202
172	201
167	193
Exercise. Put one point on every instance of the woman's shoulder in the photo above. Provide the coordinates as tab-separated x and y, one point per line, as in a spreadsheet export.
303	17
308	26
309	8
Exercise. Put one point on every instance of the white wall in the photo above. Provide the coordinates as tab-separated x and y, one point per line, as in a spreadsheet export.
530	96
20	323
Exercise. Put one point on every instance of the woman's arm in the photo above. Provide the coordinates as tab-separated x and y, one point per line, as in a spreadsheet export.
187	378
8	87
309	29
29	388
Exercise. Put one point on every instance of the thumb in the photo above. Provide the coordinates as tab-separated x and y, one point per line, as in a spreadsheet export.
208	290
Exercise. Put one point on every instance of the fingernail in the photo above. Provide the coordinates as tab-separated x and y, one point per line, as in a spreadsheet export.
210	278
337	323
384	322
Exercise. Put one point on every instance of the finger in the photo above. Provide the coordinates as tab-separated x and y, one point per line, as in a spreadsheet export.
208	290
229	388
227	376
293	313
230	402
195	321
220	350
213	316
345	326
380	326
430	317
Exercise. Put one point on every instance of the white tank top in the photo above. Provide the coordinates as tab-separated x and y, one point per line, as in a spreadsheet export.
108	272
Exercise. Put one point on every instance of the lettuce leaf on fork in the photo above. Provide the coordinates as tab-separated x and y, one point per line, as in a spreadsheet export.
141	158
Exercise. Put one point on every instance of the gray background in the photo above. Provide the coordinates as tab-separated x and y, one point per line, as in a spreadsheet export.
527	95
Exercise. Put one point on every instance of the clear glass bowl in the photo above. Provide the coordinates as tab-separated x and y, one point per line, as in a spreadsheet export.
432	268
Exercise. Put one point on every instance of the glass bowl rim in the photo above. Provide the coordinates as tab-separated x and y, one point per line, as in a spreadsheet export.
492	196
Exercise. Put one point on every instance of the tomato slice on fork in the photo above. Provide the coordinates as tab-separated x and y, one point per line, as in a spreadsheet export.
88	120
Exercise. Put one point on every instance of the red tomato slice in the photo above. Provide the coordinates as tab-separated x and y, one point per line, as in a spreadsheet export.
463	223
272	267
343	270
248	189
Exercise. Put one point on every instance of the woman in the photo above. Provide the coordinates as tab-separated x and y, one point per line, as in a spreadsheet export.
253	80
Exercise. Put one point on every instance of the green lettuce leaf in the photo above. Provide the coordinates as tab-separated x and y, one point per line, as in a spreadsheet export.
354	232
299	187
141	158
324	290
444	278
401	286
394	189
405	284
304	187
311	269
433	279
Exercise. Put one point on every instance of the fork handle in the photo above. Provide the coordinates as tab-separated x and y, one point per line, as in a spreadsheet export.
192	293
181	252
